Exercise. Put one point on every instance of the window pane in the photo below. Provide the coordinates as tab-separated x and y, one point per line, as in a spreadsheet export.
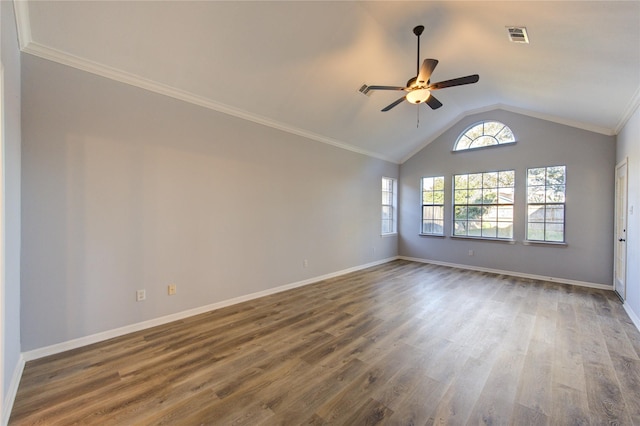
490	214
438	183
427	197
505	195
483	141
389	200
490	229
460	212
555	175
555	194
476	131
536	176
427	184
490	196
506	178
475	196
474	212
505	135
493	127
490	180
460	181
387	197
460	196
555	214
427	212
546	189
482	204
438	197
535	231
432	205
475	228
460	227
535	194
475	180
485	133
554	232
387	213
505	213
505	230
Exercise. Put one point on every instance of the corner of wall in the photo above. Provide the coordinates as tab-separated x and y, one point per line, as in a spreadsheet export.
10	396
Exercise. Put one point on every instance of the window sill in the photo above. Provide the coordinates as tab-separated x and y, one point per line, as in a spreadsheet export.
544	243
431	235
391	234
492	240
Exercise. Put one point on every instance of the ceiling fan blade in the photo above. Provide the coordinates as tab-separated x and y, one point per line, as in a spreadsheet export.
455	82
388	107
386	88
425	71
433	102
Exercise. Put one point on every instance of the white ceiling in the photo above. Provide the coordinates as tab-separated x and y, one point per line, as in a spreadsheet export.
298	66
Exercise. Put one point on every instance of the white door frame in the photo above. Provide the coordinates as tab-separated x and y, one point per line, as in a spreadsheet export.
620	230
2	246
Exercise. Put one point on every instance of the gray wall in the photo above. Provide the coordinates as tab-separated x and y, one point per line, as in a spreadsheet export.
124	189
590	161
628	146
11	312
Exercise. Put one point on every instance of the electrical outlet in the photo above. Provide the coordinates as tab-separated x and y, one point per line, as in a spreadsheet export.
471	253
171	289
141	295
305	263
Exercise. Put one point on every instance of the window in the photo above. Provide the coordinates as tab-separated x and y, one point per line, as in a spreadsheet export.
483	204
389	201
546	204
433	205
485	133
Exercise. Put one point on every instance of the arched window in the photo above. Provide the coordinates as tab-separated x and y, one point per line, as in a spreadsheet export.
484	133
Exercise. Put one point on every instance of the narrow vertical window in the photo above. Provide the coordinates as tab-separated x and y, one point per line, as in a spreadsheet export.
389	201
433	205
483	204
546	203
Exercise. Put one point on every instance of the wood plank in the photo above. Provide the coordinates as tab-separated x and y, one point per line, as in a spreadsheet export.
399	343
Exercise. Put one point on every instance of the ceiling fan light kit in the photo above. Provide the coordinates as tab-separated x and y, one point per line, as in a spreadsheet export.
418	96
419	88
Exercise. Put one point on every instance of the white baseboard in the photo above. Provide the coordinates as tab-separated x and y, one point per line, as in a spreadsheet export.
511	273
10	397
109	334
634	317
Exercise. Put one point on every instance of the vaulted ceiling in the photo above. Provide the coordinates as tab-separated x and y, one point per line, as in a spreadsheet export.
298	66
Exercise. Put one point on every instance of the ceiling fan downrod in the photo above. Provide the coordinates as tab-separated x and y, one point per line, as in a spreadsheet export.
418	32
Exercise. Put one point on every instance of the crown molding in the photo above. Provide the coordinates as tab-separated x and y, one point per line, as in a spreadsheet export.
521	111
21	10
634	103
102	70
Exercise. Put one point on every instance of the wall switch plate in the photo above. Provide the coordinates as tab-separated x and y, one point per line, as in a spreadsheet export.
171	289
141	295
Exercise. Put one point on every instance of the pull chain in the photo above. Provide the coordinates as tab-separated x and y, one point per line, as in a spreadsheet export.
418	118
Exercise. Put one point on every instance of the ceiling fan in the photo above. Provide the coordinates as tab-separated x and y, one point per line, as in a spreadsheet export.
419	88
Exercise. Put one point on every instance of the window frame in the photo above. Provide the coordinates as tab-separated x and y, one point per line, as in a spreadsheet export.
497	205
433	220
545	204
393	207
484	134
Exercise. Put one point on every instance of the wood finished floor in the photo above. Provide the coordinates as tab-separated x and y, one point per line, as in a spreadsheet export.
402	343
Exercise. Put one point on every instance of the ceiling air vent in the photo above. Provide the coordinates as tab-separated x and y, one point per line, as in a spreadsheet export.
518	34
